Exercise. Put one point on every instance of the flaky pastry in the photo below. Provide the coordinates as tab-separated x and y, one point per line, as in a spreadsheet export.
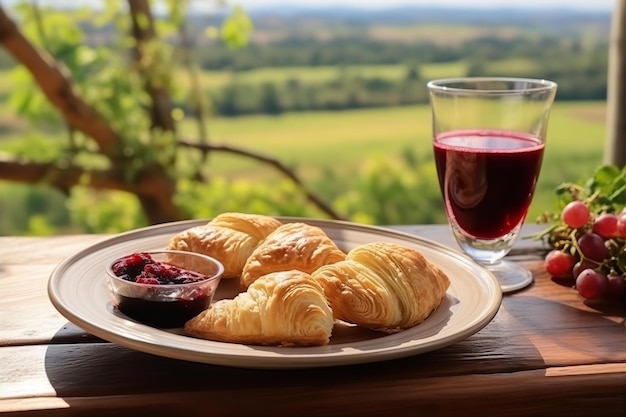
383	286
285	308
291	246
229	238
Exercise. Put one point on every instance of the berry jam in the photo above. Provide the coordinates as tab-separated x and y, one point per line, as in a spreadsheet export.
165	314
162	302
142	269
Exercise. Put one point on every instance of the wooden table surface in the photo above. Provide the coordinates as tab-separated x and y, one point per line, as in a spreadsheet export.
546	353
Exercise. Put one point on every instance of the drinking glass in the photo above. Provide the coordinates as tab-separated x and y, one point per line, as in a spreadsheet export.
488	138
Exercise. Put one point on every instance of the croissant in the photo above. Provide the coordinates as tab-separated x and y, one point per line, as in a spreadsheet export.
383	286
285	308
229	238
291	246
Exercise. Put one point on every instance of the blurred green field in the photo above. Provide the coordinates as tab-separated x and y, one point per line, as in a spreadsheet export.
341	141
212	80
355	159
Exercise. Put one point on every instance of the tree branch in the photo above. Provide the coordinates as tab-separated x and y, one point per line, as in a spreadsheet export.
143	32
197	96
270	161
55	84
64	178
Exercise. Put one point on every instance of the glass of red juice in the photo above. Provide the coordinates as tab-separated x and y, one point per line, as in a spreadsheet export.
489	135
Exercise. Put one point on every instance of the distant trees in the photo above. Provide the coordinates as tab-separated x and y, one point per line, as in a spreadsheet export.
239	98
581	75
580	67
577	81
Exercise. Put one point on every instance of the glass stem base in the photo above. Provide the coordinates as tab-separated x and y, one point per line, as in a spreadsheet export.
511	276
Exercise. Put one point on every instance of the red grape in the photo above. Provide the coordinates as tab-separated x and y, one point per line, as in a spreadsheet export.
592	247
575	214
559	263
591	227
621	225
616	287
591	284
581	265
605	225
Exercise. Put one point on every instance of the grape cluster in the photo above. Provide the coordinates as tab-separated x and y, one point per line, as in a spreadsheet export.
587	239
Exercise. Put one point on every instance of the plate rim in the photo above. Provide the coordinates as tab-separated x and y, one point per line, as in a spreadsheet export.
294	360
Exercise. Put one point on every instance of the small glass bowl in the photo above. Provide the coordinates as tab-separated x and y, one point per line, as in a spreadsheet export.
166	305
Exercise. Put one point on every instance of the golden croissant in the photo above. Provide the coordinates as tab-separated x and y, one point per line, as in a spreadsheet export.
291	246
285	308
229	238
383	286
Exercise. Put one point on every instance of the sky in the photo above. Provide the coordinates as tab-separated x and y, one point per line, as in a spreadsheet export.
211	6
591	5
598	5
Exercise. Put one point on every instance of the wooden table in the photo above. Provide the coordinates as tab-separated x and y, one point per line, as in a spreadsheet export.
546	353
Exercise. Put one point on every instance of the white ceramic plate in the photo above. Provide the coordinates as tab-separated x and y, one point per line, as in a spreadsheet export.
78	289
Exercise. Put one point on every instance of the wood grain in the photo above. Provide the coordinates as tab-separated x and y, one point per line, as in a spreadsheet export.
546	352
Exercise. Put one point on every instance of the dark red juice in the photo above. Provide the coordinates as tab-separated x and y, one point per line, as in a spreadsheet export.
165	314
487	179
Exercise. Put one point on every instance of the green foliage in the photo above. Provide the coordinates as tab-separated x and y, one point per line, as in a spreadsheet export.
603	192
38	225
384	191
392	191
26	100
237	29
104	211
32	210
34	146
387	186
59	35
221	195
100	74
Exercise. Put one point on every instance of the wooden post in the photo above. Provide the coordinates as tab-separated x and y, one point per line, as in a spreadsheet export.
615	141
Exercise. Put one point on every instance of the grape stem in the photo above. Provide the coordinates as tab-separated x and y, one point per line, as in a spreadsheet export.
574	243
540	235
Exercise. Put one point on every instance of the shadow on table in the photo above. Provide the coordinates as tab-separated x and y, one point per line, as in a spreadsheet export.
79	365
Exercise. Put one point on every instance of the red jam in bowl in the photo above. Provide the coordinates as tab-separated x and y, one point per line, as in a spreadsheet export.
160	288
